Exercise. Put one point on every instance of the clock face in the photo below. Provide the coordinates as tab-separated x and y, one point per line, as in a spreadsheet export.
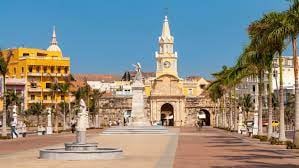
167	64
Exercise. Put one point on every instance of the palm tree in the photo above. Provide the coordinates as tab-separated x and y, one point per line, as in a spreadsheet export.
247	105
55	89
292	25
276	35
94	108
36	109
64	89
4	61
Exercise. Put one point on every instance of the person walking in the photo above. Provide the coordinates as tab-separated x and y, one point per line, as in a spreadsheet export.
13	125
73	125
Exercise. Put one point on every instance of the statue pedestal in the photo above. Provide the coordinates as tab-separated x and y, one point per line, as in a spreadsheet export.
49	130
255	124
139	117
81	137
240	123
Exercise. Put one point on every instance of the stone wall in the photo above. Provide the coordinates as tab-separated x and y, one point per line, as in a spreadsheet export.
113	108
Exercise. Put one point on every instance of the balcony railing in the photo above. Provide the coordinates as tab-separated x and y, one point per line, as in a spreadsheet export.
34	74
45	58
35	89
34	101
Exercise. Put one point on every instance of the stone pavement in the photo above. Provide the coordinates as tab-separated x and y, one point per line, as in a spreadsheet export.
140	151
32	142
216	148
188	148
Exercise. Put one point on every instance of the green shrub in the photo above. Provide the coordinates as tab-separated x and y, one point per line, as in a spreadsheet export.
290	145
276	141
262	138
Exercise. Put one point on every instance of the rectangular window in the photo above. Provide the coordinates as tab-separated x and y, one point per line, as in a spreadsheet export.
62	97
33	85
25	54
45	97
22	69
32	97
30	69
45	69
253	88
190	91
48	85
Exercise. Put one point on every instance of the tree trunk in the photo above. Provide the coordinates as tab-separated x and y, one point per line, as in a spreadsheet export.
220	113
270	108
281	103
260	103
295	58
64	123
224	113
230	111
56	114
4	128
70	110
236	114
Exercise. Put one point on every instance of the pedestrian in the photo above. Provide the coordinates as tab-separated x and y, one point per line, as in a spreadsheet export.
24	129
73	125
13	125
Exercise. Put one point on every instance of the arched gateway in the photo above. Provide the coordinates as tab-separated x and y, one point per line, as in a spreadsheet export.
205	116
167	115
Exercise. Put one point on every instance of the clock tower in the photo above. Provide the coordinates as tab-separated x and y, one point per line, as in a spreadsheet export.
166	58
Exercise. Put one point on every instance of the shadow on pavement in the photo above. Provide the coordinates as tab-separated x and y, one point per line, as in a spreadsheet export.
259	164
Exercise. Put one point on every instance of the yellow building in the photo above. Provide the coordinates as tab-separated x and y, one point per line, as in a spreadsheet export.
40	69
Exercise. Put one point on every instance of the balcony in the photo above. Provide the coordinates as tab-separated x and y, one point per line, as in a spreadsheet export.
45	58
33	101
34	89
34	74
47	90
48	101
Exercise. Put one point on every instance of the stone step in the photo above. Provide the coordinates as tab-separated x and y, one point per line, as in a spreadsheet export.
136	130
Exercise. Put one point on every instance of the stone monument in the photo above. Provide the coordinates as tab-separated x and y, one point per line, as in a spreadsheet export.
80	150
255	124
49	118
240	121
139	118
138	122
15	119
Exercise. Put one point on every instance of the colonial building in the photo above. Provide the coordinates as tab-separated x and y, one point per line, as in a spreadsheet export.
169	98
35	70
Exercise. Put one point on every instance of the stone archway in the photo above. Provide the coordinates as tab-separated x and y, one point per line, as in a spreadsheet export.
167	115
205	115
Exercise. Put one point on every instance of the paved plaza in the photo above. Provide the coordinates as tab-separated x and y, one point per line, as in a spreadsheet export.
180	148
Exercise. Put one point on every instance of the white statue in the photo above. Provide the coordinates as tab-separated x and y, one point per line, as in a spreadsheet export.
14	114
49	126
137	67
138	76
82	117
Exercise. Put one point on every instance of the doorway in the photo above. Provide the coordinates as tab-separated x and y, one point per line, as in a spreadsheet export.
167	115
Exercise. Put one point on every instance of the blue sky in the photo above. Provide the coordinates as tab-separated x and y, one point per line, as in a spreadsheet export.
108	36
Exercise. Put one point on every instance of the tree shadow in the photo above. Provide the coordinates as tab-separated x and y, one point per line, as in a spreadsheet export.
252	164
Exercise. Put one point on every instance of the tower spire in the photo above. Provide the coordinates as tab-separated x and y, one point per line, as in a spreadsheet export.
166	30
54	44
54	40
